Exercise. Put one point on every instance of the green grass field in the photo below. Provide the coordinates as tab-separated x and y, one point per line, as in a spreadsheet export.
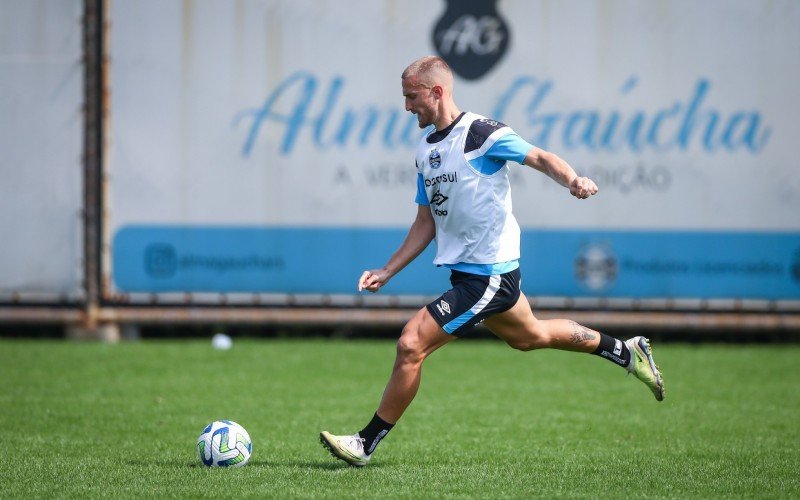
91	420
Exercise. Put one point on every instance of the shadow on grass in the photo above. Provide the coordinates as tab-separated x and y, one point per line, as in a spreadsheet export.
320	465
301	464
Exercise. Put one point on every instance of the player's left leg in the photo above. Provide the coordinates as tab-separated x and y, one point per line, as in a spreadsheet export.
520	329
420	337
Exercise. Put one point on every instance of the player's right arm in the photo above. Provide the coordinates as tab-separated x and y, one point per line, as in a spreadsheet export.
419	236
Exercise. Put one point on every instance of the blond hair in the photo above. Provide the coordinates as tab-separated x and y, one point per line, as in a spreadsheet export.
430	71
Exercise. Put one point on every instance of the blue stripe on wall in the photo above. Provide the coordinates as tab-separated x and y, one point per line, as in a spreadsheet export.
610	264
258	259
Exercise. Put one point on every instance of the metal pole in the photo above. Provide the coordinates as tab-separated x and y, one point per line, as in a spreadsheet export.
94	99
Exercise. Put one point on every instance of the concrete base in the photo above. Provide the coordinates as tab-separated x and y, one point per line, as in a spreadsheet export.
105	332
130	332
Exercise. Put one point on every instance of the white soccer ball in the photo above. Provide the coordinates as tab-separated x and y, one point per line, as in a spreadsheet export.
224	443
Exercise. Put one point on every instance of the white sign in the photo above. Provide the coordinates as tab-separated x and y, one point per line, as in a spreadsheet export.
283	122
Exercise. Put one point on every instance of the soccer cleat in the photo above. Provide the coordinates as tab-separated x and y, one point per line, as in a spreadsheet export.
643	366
347	448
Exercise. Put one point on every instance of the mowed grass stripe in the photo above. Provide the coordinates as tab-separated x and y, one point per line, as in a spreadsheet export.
122	420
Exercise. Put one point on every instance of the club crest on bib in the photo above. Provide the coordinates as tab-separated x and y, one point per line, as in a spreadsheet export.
434	159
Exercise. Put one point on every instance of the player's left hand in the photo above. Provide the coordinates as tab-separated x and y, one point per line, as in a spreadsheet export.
582	187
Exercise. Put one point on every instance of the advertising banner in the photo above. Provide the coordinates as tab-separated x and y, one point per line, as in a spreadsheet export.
41	133
264	146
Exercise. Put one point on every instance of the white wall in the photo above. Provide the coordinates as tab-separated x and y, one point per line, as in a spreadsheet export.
41	94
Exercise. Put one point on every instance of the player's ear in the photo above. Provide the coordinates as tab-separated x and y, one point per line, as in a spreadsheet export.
438	91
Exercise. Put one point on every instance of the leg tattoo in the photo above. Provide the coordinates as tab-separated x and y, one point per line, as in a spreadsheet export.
581	333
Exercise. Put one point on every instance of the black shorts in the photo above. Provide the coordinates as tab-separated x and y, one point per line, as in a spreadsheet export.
474	298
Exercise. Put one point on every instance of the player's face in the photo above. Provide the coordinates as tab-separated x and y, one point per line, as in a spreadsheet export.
420	100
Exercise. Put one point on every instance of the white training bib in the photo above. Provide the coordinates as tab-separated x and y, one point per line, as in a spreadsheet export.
471	205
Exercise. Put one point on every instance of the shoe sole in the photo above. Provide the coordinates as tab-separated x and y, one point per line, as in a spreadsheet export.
648	353
334	451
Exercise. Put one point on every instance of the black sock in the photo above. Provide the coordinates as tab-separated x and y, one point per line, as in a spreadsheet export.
614	350
372	434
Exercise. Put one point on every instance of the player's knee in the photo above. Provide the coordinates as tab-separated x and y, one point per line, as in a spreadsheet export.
409	347
524	345
533	339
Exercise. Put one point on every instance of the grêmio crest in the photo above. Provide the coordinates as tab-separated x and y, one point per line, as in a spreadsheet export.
471	36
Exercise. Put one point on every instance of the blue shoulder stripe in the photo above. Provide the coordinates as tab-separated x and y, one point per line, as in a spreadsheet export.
509	147
422	197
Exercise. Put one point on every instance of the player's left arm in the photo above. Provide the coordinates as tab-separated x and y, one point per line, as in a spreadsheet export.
511	147
560	171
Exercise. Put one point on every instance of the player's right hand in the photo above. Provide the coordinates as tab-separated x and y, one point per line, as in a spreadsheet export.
372	281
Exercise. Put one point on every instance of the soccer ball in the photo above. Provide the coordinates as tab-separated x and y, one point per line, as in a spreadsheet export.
224	443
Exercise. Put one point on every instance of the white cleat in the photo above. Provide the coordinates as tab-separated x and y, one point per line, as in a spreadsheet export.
644	367
347	448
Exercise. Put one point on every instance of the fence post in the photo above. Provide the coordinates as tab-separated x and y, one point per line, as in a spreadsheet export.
95	102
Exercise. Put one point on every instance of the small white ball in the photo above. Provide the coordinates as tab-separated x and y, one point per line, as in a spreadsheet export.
221	341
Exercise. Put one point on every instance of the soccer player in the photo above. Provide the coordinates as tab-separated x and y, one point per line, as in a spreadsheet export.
464	202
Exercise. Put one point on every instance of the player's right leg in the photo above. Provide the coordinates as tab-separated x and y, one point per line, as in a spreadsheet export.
522	330
420	337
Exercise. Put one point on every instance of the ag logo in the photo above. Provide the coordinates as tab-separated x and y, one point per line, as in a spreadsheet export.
596	267
435	159
471	36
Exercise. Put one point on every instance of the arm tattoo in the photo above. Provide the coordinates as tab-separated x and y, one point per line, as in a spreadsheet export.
581	333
